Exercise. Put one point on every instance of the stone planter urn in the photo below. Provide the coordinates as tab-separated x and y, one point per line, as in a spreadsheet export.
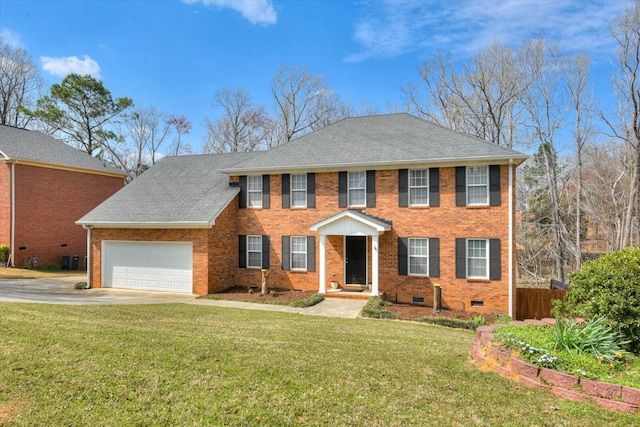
334	284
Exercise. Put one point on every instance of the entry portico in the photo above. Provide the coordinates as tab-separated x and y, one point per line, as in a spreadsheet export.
351	223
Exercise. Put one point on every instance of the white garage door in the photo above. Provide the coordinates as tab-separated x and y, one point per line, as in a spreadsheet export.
150	266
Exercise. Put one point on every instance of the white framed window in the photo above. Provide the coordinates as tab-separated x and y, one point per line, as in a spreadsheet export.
299	191
357	188
478	185
418	257
254	251
419	187
478	258
299	253
254	191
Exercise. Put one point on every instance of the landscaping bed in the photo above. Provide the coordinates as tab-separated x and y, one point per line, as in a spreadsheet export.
275	295
415	311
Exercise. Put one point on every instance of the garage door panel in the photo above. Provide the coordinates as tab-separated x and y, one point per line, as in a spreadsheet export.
148	266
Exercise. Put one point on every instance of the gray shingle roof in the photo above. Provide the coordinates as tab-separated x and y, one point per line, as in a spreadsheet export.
180	192
376	141
36	147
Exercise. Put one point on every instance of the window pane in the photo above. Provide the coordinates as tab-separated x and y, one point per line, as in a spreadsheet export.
357	179
477	175
418	177
298	182
418	196
255	199
254	183
298	244
298	252
418	266
356	198
418	247
299	199
477	268
255	259
299	261
477	258
477	195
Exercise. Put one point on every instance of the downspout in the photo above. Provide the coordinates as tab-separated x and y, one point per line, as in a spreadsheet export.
88	228
13	215
510	256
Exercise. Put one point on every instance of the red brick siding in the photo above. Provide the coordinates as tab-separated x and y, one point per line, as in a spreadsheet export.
5	204
47	203
446	222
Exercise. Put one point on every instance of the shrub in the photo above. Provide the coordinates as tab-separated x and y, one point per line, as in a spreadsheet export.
448	322
610	286
49	267
501	318
81	285
312	300
478	321
372	309
4	253
594	338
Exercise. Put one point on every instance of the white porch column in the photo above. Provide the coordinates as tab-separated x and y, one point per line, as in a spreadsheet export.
323	265
374	265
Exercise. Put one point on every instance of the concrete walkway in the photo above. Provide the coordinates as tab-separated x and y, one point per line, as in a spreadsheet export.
61	291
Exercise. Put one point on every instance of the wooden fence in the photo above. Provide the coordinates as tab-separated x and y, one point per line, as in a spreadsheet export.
534	303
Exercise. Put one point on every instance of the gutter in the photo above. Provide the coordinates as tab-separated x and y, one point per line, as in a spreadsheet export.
88	228
13	215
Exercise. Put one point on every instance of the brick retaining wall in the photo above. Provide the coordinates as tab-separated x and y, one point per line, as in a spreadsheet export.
495	358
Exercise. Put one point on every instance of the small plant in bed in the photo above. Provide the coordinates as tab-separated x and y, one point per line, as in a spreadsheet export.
589	351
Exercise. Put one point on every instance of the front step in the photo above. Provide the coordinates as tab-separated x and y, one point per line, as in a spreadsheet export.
339	293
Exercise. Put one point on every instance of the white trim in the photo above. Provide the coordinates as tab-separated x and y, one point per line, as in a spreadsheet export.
379	229
248	251
136	224
12	255
291	253
382	165
249	191
323	260
291	191
409	239
415	187
510	255
374	265
487	263
486	185
363	188
88	257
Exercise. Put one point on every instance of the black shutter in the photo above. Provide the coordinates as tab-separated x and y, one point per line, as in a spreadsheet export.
311	190
434	187
371	189
342	189
434	257
403	188
494	259
265	251
461	186
242	203
266	192
311	253
461	258
286	255
242	251
494	185
403	244
286	187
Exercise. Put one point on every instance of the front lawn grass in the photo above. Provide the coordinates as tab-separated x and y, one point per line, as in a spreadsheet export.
180	364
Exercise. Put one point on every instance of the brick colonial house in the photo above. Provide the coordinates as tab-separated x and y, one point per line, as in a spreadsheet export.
390	205
45	186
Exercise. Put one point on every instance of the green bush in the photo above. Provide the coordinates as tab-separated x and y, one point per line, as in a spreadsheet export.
610	287
594	338
312	300
49	267
449	322
372	309
4	253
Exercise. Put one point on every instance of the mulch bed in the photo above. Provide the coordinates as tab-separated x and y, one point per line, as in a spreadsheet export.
405	311
241	293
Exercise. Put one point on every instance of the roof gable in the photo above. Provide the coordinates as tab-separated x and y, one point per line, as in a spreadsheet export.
28	146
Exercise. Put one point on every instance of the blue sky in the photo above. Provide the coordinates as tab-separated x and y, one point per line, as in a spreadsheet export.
175	54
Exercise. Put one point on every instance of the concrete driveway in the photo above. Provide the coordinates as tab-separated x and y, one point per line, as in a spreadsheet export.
61	290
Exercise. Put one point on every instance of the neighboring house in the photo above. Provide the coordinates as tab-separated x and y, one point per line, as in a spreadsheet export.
45	186
390	203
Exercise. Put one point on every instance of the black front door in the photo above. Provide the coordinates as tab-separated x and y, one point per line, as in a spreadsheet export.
356	260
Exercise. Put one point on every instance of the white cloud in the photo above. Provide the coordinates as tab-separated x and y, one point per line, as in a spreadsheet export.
11	38
395	27
255	11
65	65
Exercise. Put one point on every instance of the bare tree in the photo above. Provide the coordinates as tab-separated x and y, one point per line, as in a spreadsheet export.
242	127
183	127
582	105
146	131
626	83
304	102
480	97
20	85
